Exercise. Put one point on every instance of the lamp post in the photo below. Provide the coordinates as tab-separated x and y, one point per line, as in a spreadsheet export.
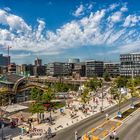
101	85
2	132
102	97
132	78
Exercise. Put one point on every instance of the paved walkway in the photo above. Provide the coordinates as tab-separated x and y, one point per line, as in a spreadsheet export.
63	120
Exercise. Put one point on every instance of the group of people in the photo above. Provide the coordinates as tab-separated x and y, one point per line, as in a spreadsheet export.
35	131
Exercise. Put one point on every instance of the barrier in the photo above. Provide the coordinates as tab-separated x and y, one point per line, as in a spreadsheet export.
95	138
105	133
112	128
93	130
85	137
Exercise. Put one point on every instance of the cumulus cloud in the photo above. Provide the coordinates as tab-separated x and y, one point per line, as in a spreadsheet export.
90	6
113	6
90	30
115	17
79	11
14	22
131	20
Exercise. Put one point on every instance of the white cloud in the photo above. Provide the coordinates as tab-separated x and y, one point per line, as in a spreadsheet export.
127	48
131	20
90	30
7	9
115	17
79	11
124	9
14	22
90	6
40	29
113	6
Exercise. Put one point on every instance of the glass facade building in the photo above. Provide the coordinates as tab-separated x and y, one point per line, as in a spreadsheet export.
4	60
130	64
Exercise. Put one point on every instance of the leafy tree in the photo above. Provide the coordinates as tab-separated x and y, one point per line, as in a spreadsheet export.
48	95
106	76
5	96
131	84
137	81
117	95
121	81
61	87
36	108
36	94
92	84
85	96
40	98
37	105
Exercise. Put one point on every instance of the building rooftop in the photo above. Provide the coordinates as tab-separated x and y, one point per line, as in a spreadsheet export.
10	78
111	62
130	53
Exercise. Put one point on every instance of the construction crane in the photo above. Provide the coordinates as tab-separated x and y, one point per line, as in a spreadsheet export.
8	52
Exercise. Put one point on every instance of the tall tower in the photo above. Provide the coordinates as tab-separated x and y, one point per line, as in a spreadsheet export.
38	62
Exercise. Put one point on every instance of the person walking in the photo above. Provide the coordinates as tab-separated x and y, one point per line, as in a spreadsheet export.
107	116
76	135
115	135
49	132
111	136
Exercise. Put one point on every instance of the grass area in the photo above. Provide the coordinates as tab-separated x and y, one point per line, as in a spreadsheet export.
128	112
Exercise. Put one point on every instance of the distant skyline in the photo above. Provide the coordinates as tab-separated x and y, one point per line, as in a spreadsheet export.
56	30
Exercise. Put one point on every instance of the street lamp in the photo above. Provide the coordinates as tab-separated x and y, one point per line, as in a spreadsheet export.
101	85
2	132
132	78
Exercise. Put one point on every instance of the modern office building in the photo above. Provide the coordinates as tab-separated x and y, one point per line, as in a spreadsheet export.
3	69
59	69
31	70
25	69
73	60
39	70
4	60
94	68
79	69
130	64
112	68
12	68
38	62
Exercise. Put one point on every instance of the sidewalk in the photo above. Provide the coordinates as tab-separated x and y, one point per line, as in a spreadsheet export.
64	120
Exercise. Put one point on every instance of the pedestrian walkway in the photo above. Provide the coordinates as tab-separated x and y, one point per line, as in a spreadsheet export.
70	115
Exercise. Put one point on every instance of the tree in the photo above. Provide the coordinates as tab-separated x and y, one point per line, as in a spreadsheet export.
117	95
5	96
61	87
92	84
85	95
131	85
36	106
40	99
121	81
36	94
106	76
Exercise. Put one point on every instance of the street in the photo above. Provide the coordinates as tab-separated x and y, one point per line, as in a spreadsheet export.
131	129
9	132
86	125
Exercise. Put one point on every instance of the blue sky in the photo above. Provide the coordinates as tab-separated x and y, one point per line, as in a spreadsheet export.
56	30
